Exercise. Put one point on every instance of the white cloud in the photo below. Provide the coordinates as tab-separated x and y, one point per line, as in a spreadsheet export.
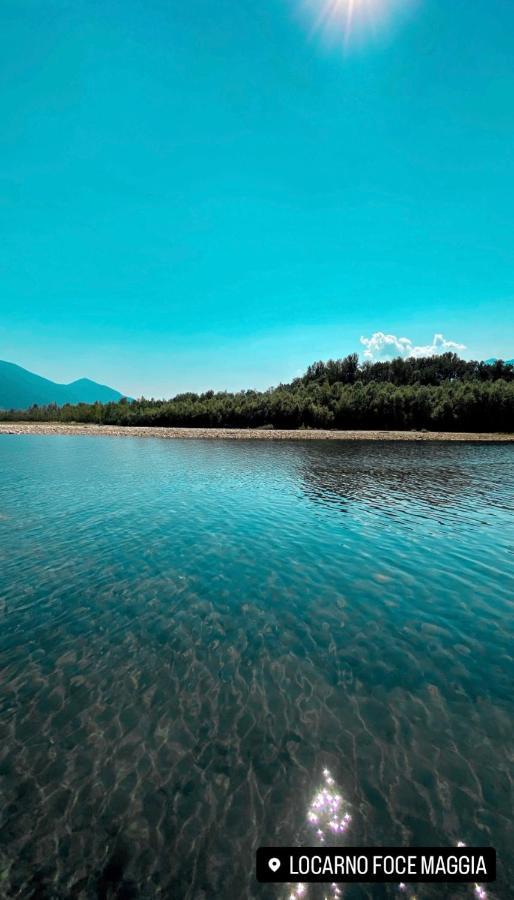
382	346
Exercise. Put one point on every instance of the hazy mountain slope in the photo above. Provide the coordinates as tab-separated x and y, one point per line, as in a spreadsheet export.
88	391
20	389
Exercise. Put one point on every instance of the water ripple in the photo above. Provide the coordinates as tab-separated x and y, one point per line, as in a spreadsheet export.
193	632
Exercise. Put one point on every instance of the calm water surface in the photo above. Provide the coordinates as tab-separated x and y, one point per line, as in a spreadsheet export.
192	631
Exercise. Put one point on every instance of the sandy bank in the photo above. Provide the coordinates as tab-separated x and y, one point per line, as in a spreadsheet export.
244	434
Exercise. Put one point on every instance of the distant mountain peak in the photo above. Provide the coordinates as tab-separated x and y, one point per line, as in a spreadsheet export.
20	388
87	382
493	359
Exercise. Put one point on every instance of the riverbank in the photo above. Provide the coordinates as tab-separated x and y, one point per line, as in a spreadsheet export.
244	434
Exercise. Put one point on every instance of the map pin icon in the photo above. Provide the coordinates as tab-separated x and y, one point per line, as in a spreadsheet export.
274	864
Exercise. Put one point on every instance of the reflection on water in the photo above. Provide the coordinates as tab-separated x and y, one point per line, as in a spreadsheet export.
328	819
440	475
191	630
326	813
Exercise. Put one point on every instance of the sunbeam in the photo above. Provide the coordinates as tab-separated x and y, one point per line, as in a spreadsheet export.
340	20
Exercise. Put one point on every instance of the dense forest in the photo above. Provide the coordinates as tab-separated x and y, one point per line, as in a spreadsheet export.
443	393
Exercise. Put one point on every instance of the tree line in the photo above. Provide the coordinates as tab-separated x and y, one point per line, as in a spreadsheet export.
441	393
430	370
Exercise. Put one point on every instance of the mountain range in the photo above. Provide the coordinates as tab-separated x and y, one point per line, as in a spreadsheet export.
20	389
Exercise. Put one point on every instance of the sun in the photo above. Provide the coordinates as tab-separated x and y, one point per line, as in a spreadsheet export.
337	13
340	20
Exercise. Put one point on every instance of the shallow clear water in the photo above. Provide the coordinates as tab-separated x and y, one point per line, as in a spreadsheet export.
191	631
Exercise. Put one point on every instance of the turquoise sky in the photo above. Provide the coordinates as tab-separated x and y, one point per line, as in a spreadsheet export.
206	194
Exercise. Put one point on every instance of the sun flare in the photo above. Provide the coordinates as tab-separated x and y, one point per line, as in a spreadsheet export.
340	20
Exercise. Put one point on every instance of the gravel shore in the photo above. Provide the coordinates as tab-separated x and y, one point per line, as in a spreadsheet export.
245	434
